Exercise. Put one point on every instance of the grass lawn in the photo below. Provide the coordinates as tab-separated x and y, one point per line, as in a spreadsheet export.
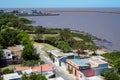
11	66
48	47
49	35
44	35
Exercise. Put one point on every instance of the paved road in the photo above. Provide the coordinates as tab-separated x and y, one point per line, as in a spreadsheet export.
58	70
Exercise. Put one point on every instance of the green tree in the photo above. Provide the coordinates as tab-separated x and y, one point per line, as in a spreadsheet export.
24	77
7	71
29	53
34	76
39	29
1	53
38	37
110	75
9	37
117	64
65	35
23	38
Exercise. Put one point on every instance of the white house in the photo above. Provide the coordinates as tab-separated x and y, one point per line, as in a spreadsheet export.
60	57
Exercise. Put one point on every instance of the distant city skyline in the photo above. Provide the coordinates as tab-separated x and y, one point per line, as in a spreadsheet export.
59	3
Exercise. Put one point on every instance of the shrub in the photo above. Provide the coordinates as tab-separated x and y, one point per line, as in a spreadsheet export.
7	71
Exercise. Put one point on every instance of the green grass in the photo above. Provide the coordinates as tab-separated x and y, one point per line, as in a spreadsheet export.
48	47
11	66
49	35
44	35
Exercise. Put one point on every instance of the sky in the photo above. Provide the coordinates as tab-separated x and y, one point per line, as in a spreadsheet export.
59	3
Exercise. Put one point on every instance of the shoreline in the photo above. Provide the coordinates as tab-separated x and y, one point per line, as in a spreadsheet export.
95	38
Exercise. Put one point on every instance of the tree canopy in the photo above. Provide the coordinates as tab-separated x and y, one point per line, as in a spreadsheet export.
33	76
29	53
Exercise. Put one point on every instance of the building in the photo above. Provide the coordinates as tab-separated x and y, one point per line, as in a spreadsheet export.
7	54
60	57
45	69
98	65
36	69
79	66
88	67
12	76
16	50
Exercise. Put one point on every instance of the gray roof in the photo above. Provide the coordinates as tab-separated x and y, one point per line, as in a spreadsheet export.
80	62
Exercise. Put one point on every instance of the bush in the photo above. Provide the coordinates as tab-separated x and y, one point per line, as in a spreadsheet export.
110	75
34	76
7	71
1	78
29	62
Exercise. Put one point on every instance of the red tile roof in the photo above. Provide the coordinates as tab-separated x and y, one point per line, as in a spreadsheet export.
22	68
45	67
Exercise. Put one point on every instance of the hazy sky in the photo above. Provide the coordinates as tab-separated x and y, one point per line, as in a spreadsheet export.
58	3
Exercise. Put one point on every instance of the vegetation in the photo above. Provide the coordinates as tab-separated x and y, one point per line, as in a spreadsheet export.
110	75
10	37
7	71
34	77
1	53
114	59
29	55
48	47
10	66
66	38
9	20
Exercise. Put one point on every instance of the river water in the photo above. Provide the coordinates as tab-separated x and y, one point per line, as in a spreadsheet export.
103	24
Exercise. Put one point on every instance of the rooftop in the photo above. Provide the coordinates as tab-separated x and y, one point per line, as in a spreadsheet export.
11	76
98	61
98	57
80	62
58	53
44	67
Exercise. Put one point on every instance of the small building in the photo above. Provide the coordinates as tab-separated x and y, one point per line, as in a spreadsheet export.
77	66
16	50
35	69
98	65
60	57
7	54
12	76
88	67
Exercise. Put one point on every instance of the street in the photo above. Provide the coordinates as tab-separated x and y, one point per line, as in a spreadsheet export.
59	72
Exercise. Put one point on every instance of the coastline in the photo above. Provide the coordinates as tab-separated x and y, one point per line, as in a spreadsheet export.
103	49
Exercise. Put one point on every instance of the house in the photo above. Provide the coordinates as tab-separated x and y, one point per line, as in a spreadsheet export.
98	65
12	76
44	69
87	67
79	66
16	50
60	57
7	54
